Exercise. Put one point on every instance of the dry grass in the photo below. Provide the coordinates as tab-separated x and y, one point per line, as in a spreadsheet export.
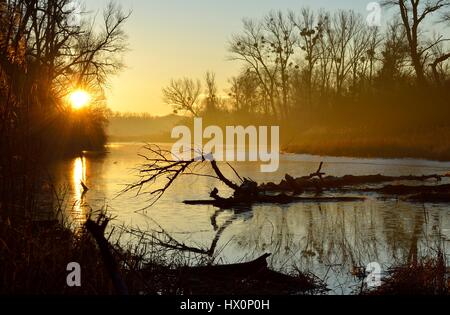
430	144
34	257
427	277
34	260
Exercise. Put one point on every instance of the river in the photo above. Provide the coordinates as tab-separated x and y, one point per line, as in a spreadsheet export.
328	240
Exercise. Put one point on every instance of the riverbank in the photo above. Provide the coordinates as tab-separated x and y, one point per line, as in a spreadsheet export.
422	143
35	256
430	145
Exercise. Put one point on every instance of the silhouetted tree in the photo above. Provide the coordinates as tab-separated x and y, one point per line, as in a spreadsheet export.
184	95
253	48
414	14
49	48
212	99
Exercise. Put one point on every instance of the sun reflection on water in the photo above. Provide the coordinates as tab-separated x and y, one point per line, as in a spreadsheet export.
79	177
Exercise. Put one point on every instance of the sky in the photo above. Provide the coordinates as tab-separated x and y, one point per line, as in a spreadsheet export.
185	38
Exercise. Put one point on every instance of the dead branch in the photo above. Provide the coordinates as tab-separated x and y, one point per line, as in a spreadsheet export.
97	230
345	183
222	177
162	239
319	172
161	170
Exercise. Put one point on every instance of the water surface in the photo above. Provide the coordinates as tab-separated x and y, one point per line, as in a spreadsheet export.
326	239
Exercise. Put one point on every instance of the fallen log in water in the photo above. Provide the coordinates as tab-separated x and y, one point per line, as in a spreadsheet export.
254	276
309	183
403	190
233	270
247	192
436	194
430	197
280	199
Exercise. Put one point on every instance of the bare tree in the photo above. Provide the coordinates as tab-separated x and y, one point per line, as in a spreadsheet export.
44	54
310	31
394	54
414	13
212	99
245	93
375	40
342	34
359	51
438	75
440	57
282	38
253	48
267	48
98	56
325	55
184	95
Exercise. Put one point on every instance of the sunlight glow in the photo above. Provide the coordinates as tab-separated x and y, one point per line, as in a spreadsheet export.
79	173
79	176
79	99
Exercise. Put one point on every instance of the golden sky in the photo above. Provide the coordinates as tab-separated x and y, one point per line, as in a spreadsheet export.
178	38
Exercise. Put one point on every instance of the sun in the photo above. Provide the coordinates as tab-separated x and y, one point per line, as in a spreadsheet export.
79	99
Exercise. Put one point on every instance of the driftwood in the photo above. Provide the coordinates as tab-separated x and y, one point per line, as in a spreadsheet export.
433	197
254	276
233	270
330	182
408	190
402	190
161	166
436	194
359	184
250	193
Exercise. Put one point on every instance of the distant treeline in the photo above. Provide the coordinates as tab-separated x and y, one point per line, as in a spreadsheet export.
335	84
